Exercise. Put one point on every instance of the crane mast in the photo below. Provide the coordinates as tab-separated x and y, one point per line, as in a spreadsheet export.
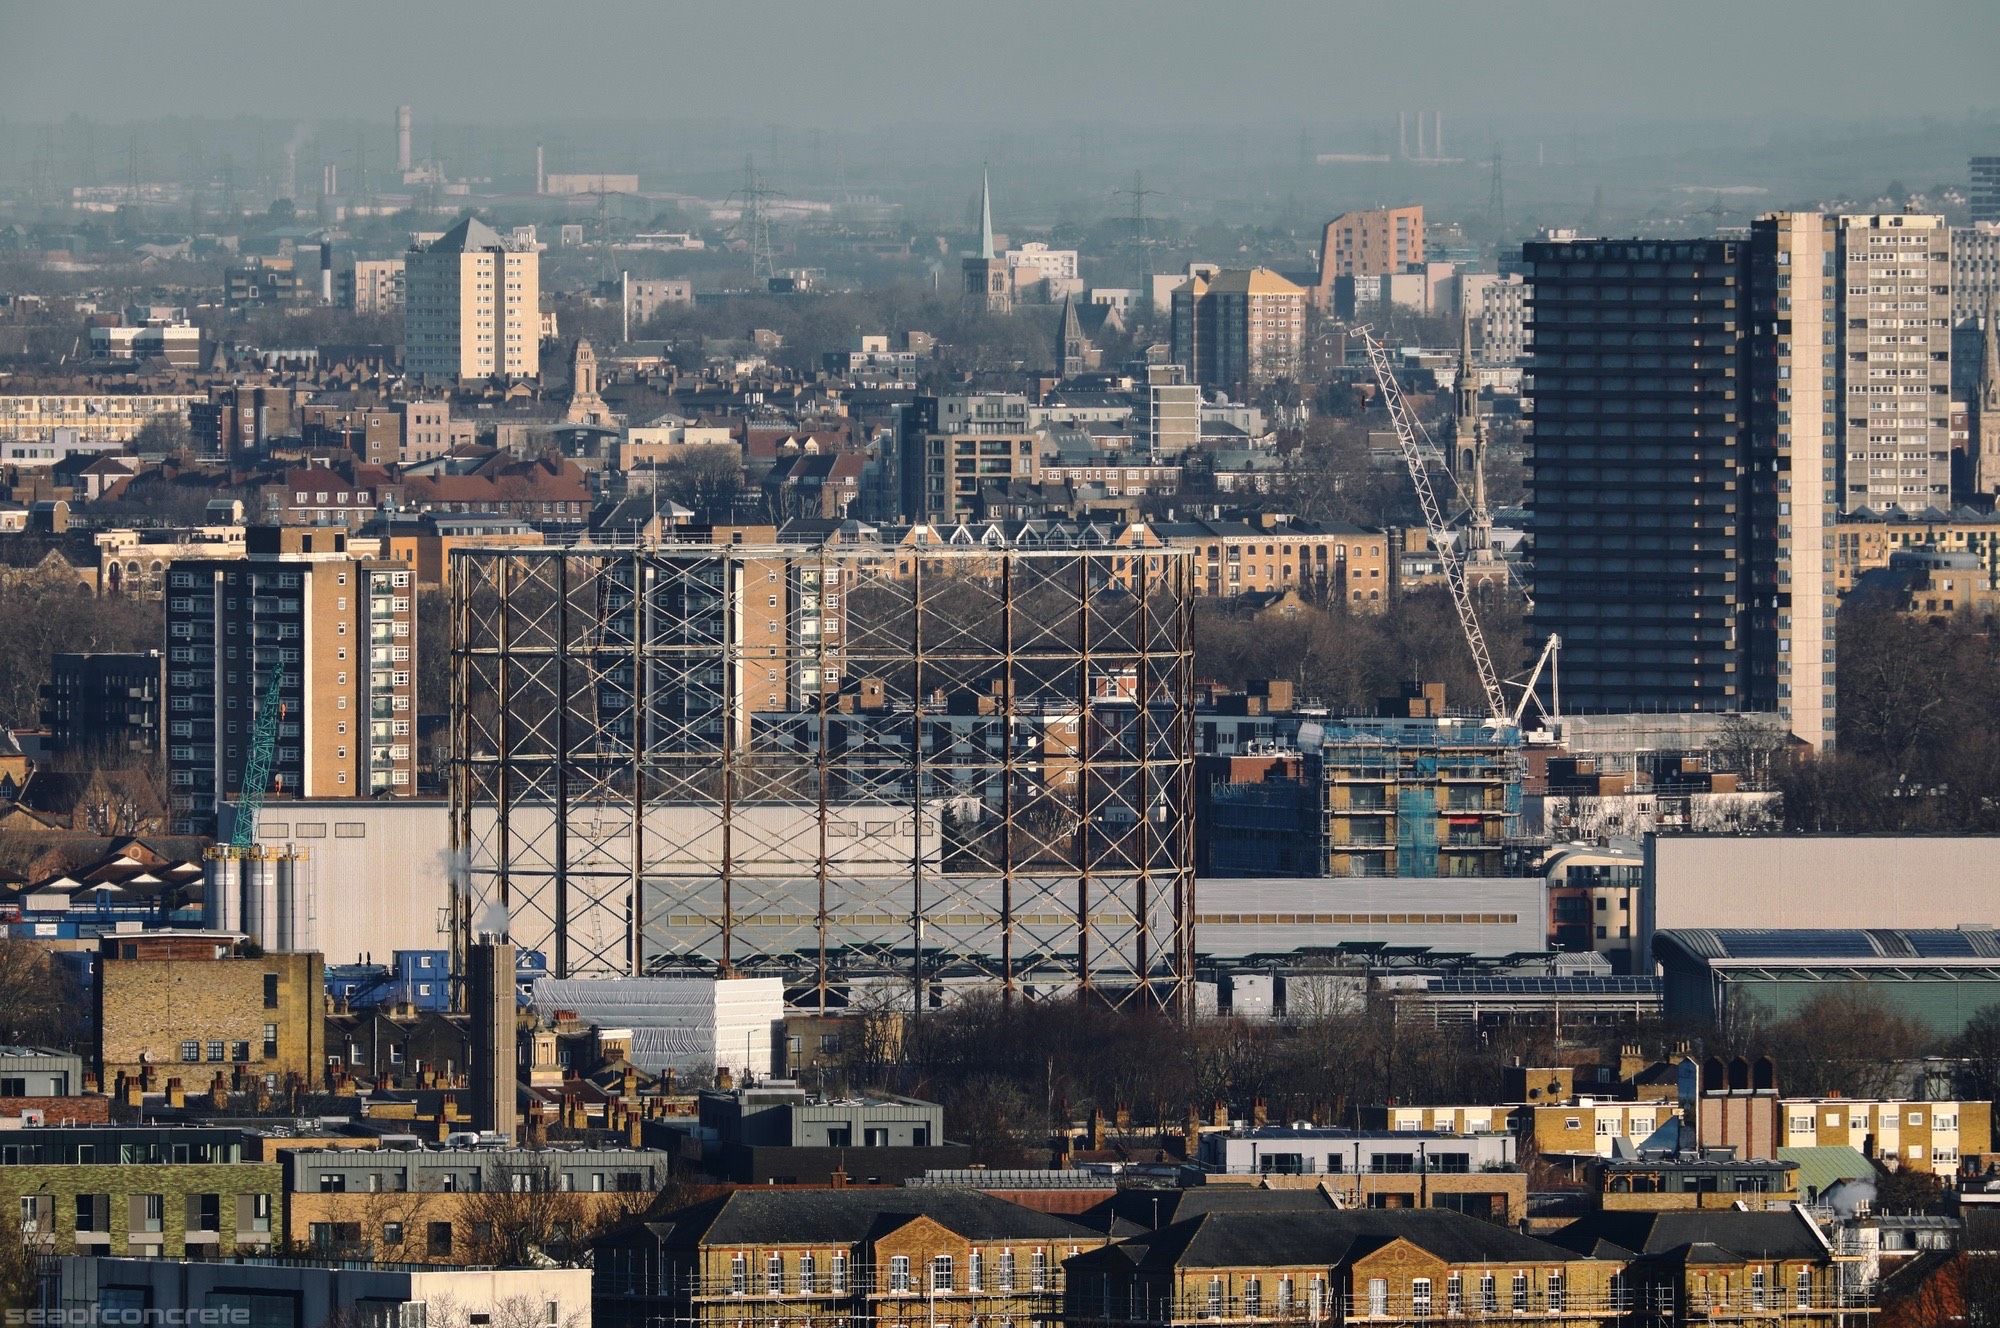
257	766
1411	440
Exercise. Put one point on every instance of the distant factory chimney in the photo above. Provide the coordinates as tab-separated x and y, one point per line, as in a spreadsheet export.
1437	133
541	177
329	180
403	139
1403	134
326	269
1421	154
490	1003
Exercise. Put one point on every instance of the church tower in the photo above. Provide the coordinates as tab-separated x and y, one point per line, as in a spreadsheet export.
988	283
1986	433
585	405
1468	453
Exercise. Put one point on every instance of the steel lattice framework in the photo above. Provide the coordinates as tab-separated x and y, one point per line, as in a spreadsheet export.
904	765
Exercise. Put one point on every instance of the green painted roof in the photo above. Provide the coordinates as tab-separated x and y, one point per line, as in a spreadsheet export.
1820	1168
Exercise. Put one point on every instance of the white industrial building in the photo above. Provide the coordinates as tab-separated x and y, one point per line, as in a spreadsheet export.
690	1025
374	873
1780	881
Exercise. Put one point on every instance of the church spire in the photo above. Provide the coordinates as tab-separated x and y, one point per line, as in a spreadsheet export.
1989	368
985	214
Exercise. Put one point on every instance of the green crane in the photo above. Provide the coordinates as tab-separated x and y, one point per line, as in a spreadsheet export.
257	767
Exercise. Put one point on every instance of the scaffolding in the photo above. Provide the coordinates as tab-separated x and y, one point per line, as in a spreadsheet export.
951	765
1418	798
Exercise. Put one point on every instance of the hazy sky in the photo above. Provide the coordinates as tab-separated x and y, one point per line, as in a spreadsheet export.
873	63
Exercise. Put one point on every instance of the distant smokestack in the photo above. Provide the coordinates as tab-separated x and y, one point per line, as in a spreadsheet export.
329	180
291	180
541	179
1437	133
403	139
625	302
1402	133
326	270
1421	154
491	1006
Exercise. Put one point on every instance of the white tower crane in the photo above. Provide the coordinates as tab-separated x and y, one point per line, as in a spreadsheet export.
1418	451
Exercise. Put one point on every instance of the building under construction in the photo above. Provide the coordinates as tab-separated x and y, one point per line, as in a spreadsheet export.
1419	794
895	771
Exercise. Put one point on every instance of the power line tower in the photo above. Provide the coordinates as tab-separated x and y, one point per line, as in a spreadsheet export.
1496	202
753	227
1139	193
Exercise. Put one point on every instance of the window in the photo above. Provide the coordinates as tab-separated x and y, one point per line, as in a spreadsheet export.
739	1274
837	1273
975	1272
1489	1294
1038	1270
899	1273
1253	1297
943	1275
437	1239
270	991
1006	1270
1759	1285
1214	1297
1454	1294
146	1213
1520	1293
1557	1291
1802	1287
215	1050
270	1042
392	1233
774	1273
1420	1297
1378	1296
190	1052
808	1274
239	1052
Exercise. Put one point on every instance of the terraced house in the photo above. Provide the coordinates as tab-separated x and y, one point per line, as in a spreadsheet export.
828	1258
170	1192
1744	1268
1334	1266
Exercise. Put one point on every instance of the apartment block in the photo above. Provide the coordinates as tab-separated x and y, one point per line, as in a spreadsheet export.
1239	329
1370	243
1636	467
340	634
103	701
1329	562
106	417
1892	296
1975	270
372	286
1792	497
1985	197
1927	1137
177	1192
952	447
472	307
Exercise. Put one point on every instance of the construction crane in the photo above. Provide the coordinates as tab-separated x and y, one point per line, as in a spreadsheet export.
257	766
1417	450
1418	454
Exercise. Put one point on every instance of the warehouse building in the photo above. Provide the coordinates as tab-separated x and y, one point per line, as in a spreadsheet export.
1941	976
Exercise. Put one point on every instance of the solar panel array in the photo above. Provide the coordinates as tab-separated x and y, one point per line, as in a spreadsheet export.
1803	943
1615	985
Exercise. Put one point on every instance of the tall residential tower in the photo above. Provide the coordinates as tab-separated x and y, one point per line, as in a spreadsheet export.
472	307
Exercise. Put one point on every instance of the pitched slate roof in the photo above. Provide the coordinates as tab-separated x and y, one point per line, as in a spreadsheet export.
1132	1212
1250	1239
1773	1235
750	1217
